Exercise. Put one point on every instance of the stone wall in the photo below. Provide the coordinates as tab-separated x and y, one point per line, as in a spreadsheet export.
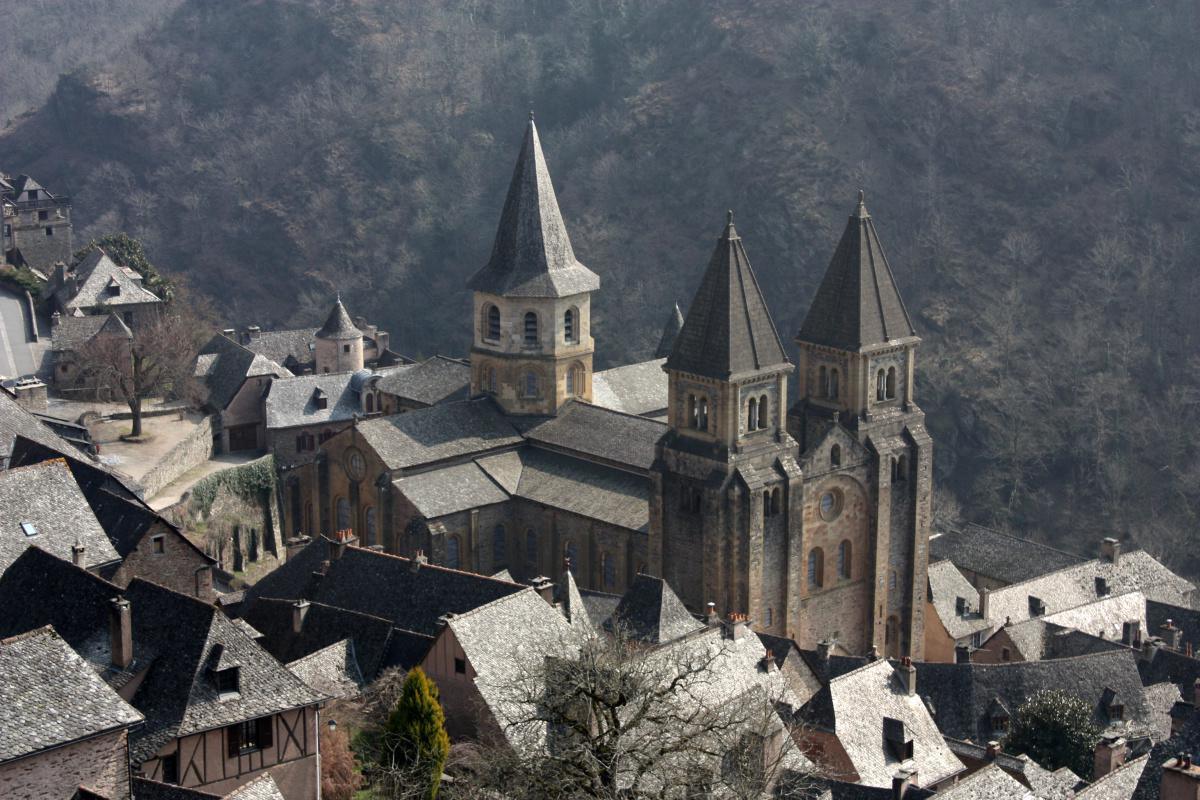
101	764
166	558
188	454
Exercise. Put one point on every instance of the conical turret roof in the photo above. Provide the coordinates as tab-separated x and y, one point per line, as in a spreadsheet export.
857	305
338	324
728	330
532	254
670	332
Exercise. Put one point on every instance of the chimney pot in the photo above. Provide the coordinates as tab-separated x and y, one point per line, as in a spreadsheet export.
823	648
299	612
120	633
710	615
78	551
1110	550
907	675
1171	635
993	750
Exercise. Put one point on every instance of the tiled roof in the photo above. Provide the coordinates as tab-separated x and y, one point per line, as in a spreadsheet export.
634	388
573	607
532	254
41	505
73	332
290	401
39	589
963	694
338	324
1038	639
332	671
16	421
261	788
862	701
1187	740
857	305
590	490
671	329
449	490
279	346
651	612
52	697
432	381
988	552
96	273
1118	784
1170	666
224	375
438	433
947	585
146	789
989	783
600	433
728	329
1186	619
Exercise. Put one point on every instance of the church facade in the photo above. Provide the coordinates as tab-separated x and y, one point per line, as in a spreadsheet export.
811	516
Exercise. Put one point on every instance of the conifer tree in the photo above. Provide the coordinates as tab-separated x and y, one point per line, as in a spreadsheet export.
415	743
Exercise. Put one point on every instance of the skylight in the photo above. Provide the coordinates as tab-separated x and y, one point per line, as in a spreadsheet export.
29	529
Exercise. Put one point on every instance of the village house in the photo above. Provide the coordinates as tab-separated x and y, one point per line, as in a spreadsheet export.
35	224
234	382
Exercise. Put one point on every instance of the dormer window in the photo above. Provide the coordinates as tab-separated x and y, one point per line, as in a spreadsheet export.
29	529
113	288
1101	587
228	681
320	399
1037	606
898	740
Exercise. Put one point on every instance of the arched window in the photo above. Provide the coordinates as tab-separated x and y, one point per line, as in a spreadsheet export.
608	569
532	552
692	412
370	404
499	546
764	418
776	500
531	384
892	581
569	320
835	456
844	559
491	380
371	526
833	384
343	514
822	382
491	329
453	555
880	384
816	568
571	382
891	383
702	414
531	328
901	469
769	617
766	504
752	415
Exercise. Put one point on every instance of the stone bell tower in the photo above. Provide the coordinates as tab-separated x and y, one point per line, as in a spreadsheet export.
532	343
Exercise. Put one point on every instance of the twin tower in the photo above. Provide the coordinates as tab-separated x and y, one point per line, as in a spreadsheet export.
811	518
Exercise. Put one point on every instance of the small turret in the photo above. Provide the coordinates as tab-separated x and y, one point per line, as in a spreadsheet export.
339	344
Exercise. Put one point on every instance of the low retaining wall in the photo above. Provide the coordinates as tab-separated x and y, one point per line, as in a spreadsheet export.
188	454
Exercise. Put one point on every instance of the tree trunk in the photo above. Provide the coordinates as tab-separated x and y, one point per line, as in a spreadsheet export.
135	408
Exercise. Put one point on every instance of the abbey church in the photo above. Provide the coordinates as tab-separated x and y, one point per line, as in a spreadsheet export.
809	515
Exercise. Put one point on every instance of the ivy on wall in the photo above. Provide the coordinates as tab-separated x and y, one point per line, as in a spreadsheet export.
252	482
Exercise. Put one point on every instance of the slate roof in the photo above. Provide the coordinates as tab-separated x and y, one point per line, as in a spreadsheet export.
572	605
39	589
650	611
580	487
1042	783
95	273
728	330
261	788
1173	667
432	381
989	552
1104	618
633	389
290	402
989	783
73	332
46	497
861	701
1186	619
224	374
332	671
1078	586
15	422
338	325
671	329
279	346
52	697
146	789
963	694
1118	784
1187	740
438	433
450	490
601	434
1038	639
857	306
947	585
532	254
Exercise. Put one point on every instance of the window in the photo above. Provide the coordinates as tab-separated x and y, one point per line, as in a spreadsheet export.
816	568
170	768
833	384
491	380
844	554
452	552
830	505
692	413
835	456
491	329
752	415
8	230
460	666
345	348
228	681
371	526
531	384
370	404
253	734
763	416
880	380
1005	654
49	231
343	514
608	568
569	326
822	382
902	469
769	617
531	328
33	194
532	551
499	546
43	216
776	500
159	545
891	383
702	414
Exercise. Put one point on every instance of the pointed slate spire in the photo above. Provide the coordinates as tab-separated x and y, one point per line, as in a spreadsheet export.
670	333
338	324
532	254
728	330
857	305
651	612
571	602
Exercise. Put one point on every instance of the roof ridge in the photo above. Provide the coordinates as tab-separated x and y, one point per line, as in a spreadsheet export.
429	564
48	628
60	460
579	401
1014	537
453	616
342	609
863	668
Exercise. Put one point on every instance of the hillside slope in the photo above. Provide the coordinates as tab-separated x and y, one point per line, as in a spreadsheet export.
1033	169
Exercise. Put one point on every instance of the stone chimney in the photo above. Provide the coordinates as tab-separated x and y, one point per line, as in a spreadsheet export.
1180	779
1131	633
710	614
1111	753
906	673
737	626
295	545
120	633
544	587
962	654
993	750
1110	550
1171	635
902	781
78	552
418	561
984	604
769	664
873	654
340	541
823	648
299	612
